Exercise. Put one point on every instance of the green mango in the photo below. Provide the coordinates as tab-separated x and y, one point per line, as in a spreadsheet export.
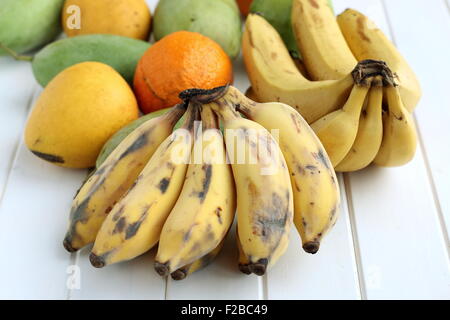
117	138
233	5
28	24
121	53
217	19
278	14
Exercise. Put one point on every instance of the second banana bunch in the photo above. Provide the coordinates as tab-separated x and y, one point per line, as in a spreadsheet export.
180	189
358	122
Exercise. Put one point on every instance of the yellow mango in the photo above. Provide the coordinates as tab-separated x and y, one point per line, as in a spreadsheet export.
78	111
129	18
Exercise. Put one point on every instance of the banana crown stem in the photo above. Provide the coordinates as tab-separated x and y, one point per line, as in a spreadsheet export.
209	118
192	115
175	113
394	101
366	70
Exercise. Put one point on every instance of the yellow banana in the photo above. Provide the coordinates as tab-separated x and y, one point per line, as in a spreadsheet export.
264	192
274	76
399	132
205	208
243	261
370	132
314	182
324	50
112	179
338	130
368	42
198	264
135	222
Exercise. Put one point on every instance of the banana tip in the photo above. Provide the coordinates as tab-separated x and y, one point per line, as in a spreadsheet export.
68	246
311	247
259	268
244	268
162	269
178	275
97	261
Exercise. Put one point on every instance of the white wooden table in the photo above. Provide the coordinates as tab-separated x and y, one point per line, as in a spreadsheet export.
391	242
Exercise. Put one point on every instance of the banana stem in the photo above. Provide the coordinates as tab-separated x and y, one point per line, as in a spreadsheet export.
175	113
209	118
192	115
366	70
14	54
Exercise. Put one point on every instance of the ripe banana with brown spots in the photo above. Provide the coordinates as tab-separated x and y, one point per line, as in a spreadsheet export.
325	52
314	182
205	208
367	41
370	132
114	177
198	264
135	222
264	192
274	76
399	132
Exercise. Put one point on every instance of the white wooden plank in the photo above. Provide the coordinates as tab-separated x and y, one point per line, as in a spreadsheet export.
16	89
329	274
33	217
220	280
135	279
402	249
432	29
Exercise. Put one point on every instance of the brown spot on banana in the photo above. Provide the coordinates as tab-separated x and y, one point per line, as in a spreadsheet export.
120	226
133	228
137	144
163	185
314	4
218	213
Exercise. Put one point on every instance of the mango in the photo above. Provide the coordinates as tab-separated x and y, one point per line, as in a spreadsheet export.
121	53
129	18
217	19
78	111
26	25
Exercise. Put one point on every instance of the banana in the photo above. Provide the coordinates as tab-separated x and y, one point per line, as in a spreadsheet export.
338	130
368	42
274	76
264	192
112	179
200	263
135	222
370	132
314	182
205	208
399	138
324	50
243	261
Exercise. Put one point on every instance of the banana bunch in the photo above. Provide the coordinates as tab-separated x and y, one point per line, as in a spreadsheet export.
283	175
347	102
181	188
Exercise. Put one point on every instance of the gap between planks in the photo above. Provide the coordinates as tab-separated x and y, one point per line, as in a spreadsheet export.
421	147
344	178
